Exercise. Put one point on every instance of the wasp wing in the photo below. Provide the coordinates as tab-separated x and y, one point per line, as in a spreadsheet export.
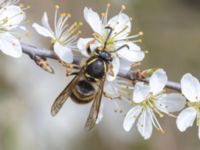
94	111
60	100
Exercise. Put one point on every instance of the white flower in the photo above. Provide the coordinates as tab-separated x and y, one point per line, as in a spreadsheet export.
63	37
11	16
121	28
4	3
149	100
190	87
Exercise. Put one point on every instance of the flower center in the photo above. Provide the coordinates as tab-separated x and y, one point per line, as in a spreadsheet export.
150	102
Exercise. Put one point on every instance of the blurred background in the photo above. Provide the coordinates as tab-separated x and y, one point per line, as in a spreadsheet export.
171	35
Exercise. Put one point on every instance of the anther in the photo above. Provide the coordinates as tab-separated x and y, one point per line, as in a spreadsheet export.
108	5
123	7
21	5
57	6
28	7
63	14
103	14
141	33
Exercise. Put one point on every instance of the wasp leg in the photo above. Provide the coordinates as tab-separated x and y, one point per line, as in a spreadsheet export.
71	73
89	51
136	64
110	70
72	69
118	109
110	97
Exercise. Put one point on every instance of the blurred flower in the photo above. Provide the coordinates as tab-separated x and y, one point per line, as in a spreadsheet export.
63	37
11	16
112	35
191	90
4	3
149	100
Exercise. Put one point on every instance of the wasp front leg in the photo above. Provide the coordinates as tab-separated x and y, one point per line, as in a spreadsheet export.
71	69
88	49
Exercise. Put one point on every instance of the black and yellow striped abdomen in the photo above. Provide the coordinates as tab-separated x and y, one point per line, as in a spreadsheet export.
85	90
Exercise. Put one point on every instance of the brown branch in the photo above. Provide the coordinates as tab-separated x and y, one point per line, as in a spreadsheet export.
34	52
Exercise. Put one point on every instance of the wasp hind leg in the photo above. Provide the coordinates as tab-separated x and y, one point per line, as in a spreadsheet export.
110	97
71	69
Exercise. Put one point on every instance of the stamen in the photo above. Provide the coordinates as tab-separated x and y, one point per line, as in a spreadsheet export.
138	41
116	34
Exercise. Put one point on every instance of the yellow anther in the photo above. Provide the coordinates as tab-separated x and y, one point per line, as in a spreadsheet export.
123	7
103	14
108	5
146	52
138	41
28	7
141	33
131	18
21	5
80	23
57	6
63	14
69	15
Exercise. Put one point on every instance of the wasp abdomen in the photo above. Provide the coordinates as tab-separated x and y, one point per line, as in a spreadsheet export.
96	69
83	92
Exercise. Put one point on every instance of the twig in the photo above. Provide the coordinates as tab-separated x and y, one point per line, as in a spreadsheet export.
33	52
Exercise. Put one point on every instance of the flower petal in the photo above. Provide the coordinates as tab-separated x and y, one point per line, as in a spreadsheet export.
170	102
63	52
144	124
115	69
45	22
43	31
158	81
83	43
111	89
141	92
131	117
93	20
133	54
11	17
190	87
125	65
121	24
10	45
186	118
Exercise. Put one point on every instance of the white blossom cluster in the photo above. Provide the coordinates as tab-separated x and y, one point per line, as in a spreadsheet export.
11	17
148	100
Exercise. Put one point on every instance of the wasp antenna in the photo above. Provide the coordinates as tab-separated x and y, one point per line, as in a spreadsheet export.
106	41
123	46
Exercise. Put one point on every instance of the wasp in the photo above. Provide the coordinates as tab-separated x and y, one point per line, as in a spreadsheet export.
87	84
